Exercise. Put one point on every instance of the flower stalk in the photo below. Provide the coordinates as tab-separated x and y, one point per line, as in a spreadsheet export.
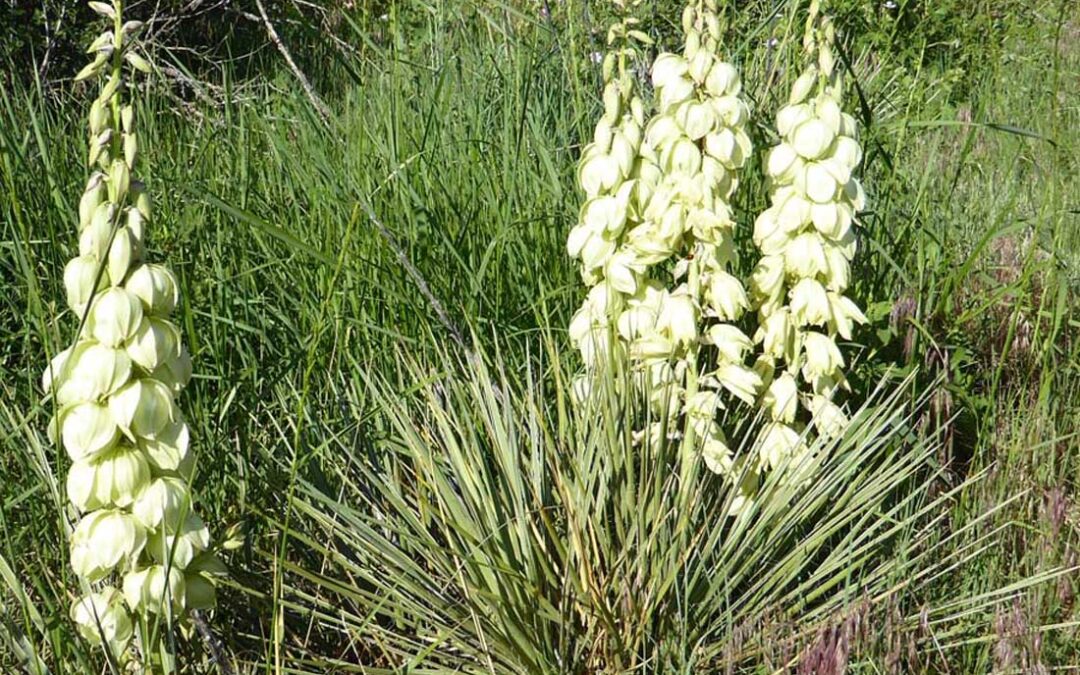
139	549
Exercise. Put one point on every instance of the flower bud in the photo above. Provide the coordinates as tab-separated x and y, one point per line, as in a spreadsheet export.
91	199
119	181
801	89
103	540
141	198
122	253
127	116
94	240
115	316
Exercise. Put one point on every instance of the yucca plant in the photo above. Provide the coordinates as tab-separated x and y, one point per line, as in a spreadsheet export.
142	555
495	526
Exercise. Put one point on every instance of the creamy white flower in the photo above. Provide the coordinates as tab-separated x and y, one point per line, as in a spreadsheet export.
103	540
101	616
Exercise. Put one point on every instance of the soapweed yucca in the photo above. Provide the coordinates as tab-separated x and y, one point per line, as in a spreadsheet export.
497	526
140	551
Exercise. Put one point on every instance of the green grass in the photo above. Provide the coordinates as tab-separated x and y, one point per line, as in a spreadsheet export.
336	432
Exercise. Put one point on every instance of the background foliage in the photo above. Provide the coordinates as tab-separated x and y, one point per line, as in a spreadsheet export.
322	377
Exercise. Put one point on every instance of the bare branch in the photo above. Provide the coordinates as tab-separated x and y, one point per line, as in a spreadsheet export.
317	102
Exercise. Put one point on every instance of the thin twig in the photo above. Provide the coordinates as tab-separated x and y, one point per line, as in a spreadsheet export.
421	283
320	106
213	643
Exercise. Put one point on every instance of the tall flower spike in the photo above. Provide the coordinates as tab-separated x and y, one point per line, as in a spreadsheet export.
607	174
674	209
807	242
115	389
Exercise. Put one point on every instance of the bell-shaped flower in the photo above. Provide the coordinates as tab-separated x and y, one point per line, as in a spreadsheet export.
804	256
822	355
113	478
162	503
777	443
723	80
156	589
156	288
781	399
81	282
101	618
844	313
598	172
678	317
792	116
115	316
103	540
812	139
829	420
169	452
777	335
179	548
818	183
175	372
810	304
717	455
726	296
667	68
154	342
742	382
731	344
143	408
96	371
623	270
87	429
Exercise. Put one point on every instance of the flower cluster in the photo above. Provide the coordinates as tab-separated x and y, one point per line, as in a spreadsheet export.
115	389
807	243
673	206
607	173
